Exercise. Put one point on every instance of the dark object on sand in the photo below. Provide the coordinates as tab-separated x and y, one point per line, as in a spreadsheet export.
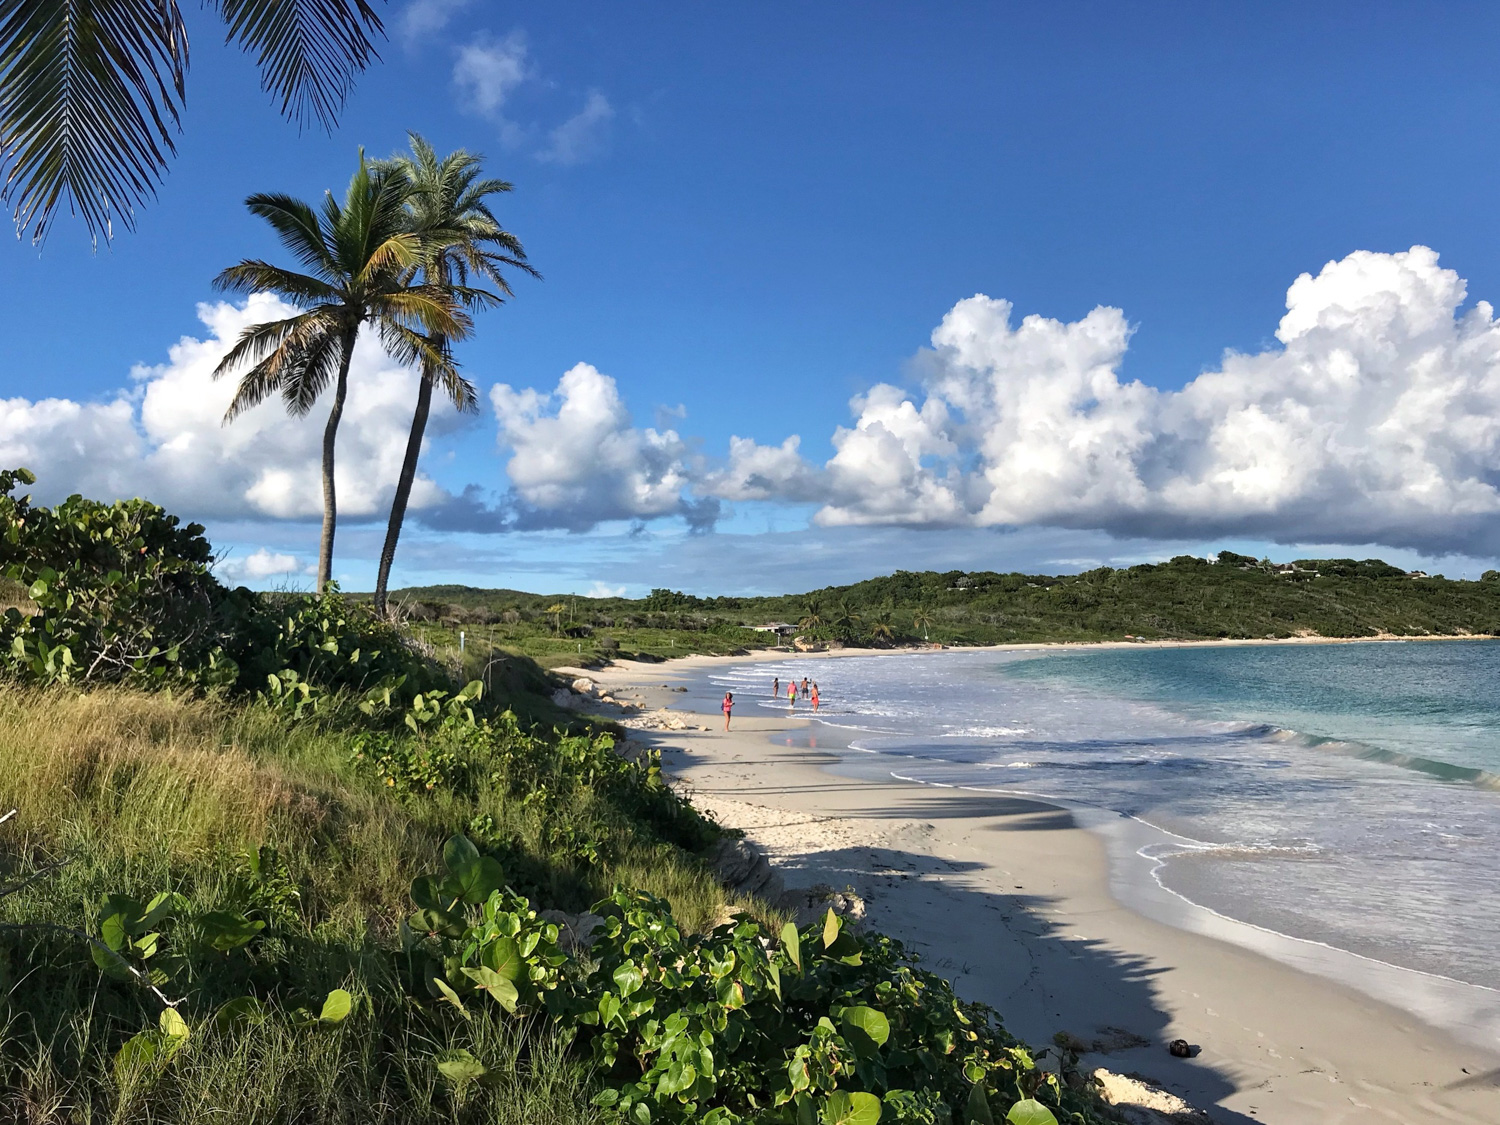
1182	1049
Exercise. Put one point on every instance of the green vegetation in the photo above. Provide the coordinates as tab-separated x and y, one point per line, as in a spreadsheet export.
1187	598
271	861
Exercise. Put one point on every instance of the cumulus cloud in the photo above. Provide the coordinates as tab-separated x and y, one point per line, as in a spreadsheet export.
578	460
582	136
163	437
486	72
1377	420
604	590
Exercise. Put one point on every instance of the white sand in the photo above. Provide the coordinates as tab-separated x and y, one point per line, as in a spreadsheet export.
1010	900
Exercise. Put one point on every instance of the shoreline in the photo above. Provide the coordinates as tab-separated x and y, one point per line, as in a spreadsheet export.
1032	926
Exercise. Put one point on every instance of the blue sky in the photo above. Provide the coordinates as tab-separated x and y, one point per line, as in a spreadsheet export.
746	219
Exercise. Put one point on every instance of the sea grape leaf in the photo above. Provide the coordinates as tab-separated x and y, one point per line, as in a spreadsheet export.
978	1109
792	941
503	957
459	1066
1030	1112
845	1107
225	930
476	879
447	993
503	990
459	851
866	1028
173	1026
627	978
830	928
336	1006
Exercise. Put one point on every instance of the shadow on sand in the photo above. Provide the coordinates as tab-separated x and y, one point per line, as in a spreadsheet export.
1000	948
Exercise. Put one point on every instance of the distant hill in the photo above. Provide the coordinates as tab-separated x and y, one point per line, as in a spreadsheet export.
1188	598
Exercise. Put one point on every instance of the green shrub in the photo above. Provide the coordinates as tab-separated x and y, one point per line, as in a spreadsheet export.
819	1025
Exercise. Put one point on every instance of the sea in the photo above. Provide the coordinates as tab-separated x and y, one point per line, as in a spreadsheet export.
1335	806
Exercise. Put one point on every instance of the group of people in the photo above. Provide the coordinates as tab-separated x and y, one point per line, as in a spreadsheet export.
807	689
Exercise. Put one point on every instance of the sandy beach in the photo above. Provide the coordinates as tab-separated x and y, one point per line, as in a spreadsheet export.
1010	899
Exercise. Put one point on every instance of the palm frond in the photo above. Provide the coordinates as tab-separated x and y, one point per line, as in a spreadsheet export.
275	348
255	276
425	308
309	51
90	98
314	371
297	226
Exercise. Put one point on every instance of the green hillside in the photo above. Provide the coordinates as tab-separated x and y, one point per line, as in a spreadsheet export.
1188	598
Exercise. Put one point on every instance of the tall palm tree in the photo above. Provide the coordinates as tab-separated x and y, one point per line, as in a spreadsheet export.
882	628
921	619
359	256
91	93
812	614
449	210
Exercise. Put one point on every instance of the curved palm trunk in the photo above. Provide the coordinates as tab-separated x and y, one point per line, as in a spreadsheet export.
403	487
330	500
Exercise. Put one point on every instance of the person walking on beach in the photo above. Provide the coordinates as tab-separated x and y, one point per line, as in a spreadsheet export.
791	695
815	696
776	687
728	707
805	688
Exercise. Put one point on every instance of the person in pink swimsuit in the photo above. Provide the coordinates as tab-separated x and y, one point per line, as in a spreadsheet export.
728	707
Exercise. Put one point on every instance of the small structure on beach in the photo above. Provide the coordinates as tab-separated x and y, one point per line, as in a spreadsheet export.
780	628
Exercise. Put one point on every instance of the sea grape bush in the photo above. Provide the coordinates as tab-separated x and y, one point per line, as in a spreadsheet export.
813	1026
125	593
116	591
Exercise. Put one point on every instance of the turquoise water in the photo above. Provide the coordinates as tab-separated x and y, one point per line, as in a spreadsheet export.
1435	706
1347	795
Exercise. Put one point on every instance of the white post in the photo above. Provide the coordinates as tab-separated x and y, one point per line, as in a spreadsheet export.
460	642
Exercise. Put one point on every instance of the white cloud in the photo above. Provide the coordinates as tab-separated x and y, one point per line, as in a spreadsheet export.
577	459
582	136
259	565
163	438
601	590
423	18
486	72
1377	420
765	472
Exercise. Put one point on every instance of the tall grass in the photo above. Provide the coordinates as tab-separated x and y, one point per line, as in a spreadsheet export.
142	792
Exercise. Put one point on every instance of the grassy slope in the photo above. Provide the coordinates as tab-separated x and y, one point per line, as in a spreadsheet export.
144	792
1185	599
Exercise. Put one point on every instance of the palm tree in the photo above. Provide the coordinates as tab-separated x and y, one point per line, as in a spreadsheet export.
461	239
881	628
360	256
921	619
91	94
844	619
812	616
557	609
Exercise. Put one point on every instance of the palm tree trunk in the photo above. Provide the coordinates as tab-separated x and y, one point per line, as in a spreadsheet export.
403	488
330	432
